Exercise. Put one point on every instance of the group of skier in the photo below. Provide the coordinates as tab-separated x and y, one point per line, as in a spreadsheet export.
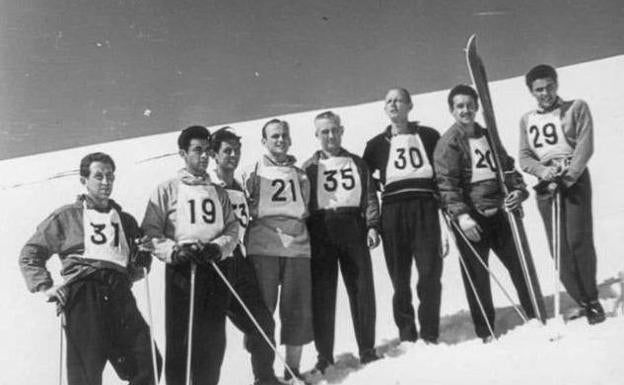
236	248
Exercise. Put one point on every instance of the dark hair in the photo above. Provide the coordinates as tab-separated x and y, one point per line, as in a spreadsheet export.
283	123
190	133
85	163
462	89
223	134
404	92
542	71
329	115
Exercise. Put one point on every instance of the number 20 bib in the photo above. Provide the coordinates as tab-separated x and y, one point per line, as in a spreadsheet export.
546	137
280	192
199	215
338	183
482	159
407	159
104	237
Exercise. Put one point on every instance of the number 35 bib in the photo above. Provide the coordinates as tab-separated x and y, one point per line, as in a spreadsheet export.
199	215
280	192
338	183
546	137
104	237
407	159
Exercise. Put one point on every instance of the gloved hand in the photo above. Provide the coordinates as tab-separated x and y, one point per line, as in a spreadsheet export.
211	252
469	227
142	259
186	253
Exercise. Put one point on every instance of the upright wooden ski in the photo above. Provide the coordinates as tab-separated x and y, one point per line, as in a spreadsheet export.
479	78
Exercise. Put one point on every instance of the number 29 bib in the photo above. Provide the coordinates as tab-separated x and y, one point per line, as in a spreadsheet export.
546	137
104	237
280	192
338	183
407	159
199	215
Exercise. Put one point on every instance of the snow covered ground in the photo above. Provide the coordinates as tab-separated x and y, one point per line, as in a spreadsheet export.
31	187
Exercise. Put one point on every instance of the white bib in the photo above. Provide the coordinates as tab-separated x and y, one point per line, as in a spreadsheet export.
482	159
280	192
338	183
199	215
241	211
546	137
407	159
104	237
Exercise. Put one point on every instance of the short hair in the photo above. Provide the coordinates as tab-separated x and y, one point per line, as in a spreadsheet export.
329	115
190	133
85	163
541	71
404	92
223	134
283	123
462	89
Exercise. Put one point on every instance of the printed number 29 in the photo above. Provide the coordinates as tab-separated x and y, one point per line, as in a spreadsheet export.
550	135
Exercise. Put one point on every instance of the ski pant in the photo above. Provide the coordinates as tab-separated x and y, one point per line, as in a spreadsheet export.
411	231
243	279
578	256
208	339
353	256
496	235
103	323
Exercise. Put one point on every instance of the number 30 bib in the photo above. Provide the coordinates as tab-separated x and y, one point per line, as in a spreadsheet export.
407	159
546	137
199	215
104	237
280	192
338	183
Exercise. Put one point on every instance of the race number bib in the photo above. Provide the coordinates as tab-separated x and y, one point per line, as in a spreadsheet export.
241	211
407	159
104	237
545	136
199	215
280	192
482	159
338	183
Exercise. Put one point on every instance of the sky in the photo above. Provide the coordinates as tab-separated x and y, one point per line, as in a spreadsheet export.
82	72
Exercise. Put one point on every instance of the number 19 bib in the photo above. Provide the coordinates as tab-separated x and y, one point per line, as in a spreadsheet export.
104	237
338	183
546	137
482	159
407	159
199	215
280	192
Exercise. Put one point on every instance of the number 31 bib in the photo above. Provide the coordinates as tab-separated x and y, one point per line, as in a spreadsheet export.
104	237
338	183
407	159
280	192
199	215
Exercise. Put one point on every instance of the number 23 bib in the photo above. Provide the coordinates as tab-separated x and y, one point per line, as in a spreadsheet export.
338	183
199	215
407	159
104	237
280	192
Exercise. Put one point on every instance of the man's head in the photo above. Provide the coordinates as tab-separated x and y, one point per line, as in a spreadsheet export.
225	148
463	103
398	104
329	131
194	145
97	174
542	82
276	137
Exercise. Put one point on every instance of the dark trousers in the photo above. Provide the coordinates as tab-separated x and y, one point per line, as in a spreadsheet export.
208	339
578	256
496	236
352	254
104	324
243	279
411	231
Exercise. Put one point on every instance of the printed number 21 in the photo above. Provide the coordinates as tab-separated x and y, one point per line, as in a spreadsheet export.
280	195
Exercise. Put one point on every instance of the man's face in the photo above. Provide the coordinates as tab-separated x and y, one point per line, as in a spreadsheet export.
397	106
229	154
545	92
464	109
99	183
196	156
277	140
329	134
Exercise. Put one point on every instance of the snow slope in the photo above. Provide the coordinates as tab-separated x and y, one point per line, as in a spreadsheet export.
31	187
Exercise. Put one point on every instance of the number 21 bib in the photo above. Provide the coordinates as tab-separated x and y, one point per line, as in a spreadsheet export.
407	159
104	237
280	192
338	183
199	215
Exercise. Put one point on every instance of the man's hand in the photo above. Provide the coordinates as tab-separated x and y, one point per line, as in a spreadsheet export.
549	173
211	252
470	227
58	294
372	238
186	253
513	200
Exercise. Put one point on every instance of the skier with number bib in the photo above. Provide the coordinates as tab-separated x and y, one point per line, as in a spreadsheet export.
190	224
343	225
96	243
556	143
472	196
278	243
403	157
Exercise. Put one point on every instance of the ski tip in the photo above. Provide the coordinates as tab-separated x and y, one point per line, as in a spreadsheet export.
472	41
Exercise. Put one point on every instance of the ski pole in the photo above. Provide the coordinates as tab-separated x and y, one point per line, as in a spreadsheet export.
61	323
253	320
150	325
474	291
190	323
485	266
556	234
